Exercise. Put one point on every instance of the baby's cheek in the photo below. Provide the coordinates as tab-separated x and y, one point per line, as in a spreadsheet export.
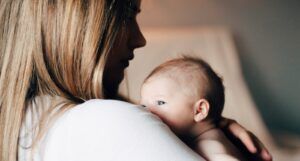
176	121
156	111
164	116
176	126
179	123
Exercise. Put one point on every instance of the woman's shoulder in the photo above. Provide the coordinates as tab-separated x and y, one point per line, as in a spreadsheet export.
117	112
103	106
96	125
104	102
97	114
100	129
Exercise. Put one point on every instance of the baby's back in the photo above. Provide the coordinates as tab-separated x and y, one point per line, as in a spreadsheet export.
214	146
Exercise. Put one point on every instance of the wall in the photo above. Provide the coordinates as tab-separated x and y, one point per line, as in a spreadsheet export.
267	35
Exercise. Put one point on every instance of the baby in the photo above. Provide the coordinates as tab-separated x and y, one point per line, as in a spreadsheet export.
189	97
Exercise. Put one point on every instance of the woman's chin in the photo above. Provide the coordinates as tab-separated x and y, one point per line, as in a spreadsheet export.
119	77
111	84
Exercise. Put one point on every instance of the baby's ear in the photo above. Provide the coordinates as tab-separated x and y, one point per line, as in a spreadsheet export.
201	109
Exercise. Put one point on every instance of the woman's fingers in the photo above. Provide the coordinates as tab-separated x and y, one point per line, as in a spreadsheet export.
256	150
262	150
252	143
241	133
266	155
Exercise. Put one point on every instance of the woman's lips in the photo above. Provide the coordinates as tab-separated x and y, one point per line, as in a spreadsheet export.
131	57
125	62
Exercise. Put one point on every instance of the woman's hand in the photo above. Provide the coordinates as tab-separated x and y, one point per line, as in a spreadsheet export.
250	145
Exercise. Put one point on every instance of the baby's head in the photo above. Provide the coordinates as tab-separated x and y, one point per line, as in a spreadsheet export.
183	92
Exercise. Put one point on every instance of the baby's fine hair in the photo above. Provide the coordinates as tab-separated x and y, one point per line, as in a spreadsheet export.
214	89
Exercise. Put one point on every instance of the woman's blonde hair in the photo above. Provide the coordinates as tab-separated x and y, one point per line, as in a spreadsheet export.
55	48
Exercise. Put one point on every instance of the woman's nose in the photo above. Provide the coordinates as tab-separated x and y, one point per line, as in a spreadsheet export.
137	38
141	39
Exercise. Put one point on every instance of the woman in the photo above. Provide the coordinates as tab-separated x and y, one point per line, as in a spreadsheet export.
61	62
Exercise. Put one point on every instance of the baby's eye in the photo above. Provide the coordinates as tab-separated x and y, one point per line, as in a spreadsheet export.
159	102
143	106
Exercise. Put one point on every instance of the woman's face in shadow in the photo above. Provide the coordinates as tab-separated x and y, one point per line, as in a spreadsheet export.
129	38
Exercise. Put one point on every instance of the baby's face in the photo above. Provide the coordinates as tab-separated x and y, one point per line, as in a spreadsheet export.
165	98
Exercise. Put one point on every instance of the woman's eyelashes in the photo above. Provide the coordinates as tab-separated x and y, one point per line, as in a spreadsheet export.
160	102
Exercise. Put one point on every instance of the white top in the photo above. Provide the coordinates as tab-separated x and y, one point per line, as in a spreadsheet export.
107	130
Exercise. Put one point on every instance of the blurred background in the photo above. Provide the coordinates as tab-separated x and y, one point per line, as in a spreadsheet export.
264	38
267	37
